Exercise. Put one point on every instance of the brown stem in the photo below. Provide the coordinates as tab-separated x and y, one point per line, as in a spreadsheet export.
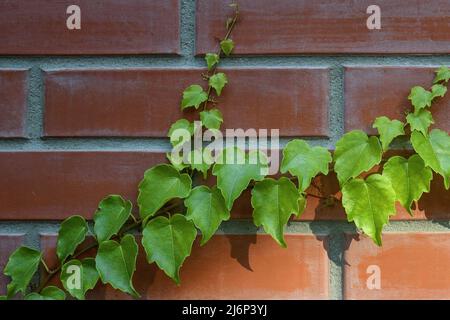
316	196
52	273
137	223
219	52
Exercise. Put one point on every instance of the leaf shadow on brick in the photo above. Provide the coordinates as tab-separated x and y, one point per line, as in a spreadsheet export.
240	248
435	204
325	186
326	211
346	241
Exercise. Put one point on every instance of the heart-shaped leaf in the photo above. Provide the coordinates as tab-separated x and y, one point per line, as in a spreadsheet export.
168	242
161	184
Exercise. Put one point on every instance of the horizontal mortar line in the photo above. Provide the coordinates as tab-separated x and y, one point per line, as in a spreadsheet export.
339	226
124	144
246	226
100	144
123	62
138	144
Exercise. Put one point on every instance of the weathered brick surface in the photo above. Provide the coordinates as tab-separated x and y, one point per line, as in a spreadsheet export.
8	243
146	102
239	267
375	91
311	69
115	27
327	26
411	265
13	103
38	184
55	185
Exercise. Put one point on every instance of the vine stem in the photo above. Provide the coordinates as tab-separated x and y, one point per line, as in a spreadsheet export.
165	210
316	196
45	266
230	28
134	225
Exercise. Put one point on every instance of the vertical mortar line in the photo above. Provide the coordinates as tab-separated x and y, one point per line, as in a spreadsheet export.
32	240
336	103
187	29
35	116
336	270
31	231
35	102
336	127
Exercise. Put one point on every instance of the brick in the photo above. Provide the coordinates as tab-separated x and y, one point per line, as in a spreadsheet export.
13	104
8	243
412	266
145	102
371	92
54	185
116	27
326	26
233	267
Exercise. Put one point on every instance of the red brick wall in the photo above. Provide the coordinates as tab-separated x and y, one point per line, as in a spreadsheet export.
84	112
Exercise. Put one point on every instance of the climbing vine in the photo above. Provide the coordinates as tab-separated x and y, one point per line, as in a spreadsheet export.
174	201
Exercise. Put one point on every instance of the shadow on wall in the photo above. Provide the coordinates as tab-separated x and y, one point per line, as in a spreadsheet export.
240	249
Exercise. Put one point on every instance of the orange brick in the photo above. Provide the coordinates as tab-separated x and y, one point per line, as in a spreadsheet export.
412	266
233	267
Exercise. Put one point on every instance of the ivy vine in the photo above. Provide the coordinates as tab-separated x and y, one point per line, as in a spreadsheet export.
171	209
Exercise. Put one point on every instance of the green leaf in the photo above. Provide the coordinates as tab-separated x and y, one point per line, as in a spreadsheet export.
22	265
161	184
355	153
48	293
410	178
2	298
197	160
71	234
90	274
420	121
218	82
369	203
211	119
301	205
304	161
235	170
78	277
442	75
435	151
274	201
111	215
420	98
438	90
177	162
116	263
227	46
211	59
176	135
207	209
168	242
193	96
388	130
